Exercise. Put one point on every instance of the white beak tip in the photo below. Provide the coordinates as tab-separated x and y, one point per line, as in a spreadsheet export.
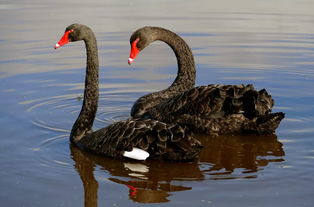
56	46
130	60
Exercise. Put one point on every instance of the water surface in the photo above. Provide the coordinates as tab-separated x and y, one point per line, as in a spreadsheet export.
270	45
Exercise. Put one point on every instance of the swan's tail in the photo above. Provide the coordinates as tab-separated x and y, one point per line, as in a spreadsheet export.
267	124
256	103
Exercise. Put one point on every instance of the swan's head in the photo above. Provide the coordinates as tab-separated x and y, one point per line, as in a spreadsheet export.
74	32
140	39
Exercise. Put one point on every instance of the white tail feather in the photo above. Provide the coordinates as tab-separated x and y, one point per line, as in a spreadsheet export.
137	154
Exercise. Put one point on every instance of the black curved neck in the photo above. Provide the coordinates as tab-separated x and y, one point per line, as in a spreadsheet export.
186	67
85	120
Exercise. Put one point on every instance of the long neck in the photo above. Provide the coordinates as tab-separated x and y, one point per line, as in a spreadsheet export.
85	120
186	67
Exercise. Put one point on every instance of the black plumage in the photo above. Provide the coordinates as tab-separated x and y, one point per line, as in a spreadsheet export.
213	109
160	140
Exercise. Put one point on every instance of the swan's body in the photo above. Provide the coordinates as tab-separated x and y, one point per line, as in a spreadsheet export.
134	138
212	109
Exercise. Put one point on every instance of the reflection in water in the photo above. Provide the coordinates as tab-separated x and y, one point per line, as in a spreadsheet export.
145	191
152	181
86	167
249	153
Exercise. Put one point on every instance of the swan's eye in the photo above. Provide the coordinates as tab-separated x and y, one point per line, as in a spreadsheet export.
70	31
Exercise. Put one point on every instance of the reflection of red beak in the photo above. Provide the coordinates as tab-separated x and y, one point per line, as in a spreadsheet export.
133	190
64	39
134	51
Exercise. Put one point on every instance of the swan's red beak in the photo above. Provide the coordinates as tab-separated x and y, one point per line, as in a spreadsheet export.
64	39
134	51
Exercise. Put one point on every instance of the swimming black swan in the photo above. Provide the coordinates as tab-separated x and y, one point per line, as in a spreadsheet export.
134	138
213	109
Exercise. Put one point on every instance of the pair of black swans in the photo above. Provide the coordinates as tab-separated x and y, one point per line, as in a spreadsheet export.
162	123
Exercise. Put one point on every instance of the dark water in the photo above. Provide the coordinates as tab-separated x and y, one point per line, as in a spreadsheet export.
266	43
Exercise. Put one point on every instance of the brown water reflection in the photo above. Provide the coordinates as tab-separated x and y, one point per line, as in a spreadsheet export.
153	181
249	153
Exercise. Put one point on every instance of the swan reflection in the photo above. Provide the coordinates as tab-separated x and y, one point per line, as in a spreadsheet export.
224	155
152	181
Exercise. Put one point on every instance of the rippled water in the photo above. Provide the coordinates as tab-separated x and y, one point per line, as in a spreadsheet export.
267	43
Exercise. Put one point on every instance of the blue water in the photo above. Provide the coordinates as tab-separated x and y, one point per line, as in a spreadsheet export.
265	43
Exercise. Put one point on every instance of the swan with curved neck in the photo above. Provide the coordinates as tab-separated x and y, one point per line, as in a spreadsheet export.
186	68
133	138
205	109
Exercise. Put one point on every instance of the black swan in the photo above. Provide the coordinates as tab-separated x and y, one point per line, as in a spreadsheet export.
213	109
133	138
